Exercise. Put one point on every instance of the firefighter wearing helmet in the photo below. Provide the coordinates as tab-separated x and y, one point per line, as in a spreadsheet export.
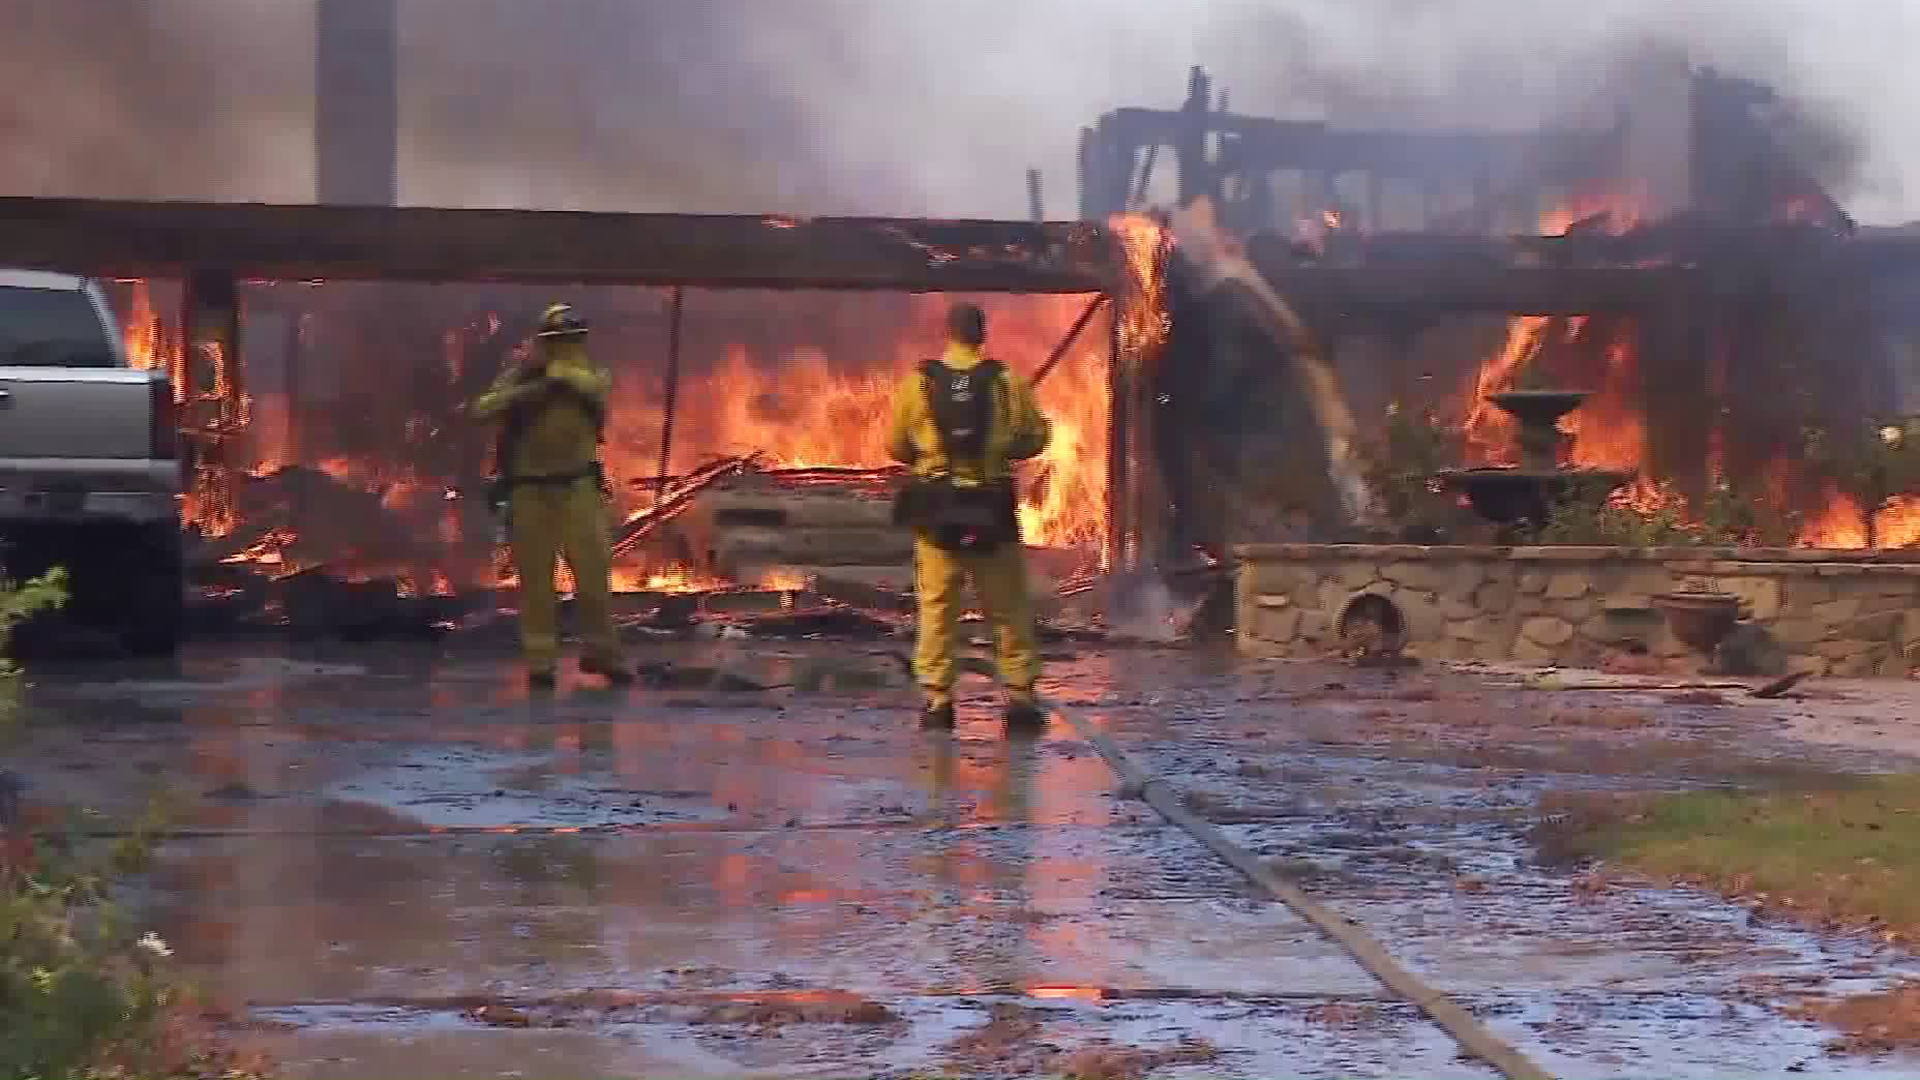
959	423
549	485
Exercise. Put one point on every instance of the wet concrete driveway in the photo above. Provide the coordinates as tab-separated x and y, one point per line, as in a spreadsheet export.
408	867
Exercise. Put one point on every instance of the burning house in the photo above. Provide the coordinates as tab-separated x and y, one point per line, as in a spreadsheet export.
1671	260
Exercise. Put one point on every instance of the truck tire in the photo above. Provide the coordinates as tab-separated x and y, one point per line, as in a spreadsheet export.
124	580
155	590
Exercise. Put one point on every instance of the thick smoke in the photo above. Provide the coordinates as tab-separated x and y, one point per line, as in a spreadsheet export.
873	106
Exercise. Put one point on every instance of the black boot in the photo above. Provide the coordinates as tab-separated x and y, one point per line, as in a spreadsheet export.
1024	715
937	714
614	671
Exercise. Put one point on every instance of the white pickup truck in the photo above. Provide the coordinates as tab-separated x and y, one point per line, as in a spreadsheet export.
91	469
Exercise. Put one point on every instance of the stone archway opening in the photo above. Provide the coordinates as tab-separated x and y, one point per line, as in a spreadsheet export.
1371	625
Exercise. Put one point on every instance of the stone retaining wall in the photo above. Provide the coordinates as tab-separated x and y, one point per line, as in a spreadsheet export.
1842	613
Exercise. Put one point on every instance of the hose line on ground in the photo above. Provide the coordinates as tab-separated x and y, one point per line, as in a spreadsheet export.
1457	1022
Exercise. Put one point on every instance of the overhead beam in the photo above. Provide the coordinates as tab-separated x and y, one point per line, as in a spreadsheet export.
1530	291
258	241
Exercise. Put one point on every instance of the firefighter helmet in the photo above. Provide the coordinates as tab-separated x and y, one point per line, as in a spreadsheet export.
967	324
560	320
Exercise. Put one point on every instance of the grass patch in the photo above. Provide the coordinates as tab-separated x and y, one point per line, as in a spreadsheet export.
1844	851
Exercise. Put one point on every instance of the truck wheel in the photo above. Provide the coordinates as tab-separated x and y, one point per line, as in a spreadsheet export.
155	609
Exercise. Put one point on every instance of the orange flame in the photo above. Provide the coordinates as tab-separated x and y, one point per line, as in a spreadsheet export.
807	407
1610	429
810	410
786	579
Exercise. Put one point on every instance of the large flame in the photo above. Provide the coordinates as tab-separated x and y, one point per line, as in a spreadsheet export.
1609	430
826	404
807	411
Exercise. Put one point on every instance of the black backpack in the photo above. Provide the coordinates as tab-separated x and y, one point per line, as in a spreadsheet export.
977	518
962	404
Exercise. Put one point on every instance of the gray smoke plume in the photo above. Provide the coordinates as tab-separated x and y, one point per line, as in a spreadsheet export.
874	106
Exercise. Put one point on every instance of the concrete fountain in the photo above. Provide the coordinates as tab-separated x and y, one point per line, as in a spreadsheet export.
1521	497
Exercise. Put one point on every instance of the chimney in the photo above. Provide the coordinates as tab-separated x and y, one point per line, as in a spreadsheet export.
357	102
1660	142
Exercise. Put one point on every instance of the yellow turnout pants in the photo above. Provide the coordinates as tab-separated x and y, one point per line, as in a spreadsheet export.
1000	579
570	519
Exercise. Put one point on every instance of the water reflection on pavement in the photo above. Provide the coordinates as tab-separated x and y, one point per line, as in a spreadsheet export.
377	842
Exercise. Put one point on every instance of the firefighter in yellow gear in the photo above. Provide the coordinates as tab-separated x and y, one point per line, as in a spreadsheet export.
959	423
550	486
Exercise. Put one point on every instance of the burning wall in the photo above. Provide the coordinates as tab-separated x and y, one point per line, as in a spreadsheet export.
1689	390
1727	406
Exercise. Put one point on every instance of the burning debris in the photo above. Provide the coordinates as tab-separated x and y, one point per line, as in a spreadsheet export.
736	547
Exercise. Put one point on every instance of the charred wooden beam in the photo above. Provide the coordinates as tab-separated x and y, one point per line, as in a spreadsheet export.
1073	334
1516	291
674	502
257	241
672	394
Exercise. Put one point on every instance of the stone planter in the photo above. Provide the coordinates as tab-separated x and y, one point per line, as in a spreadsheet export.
1844	614
1700	619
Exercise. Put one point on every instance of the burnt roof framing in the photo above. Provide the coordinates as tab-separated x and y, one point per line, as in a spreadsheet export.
1210	146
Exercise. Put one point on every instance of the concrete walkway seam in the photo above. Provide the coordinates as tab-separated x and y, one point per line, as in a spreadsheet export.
1457	1022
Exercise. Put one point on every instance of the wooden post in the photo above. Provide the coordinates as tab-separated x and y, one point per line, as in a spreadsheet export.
675	303
1149	509
1117	486
1137	295
1140	187
1088	185
1197	177
210	335
210	320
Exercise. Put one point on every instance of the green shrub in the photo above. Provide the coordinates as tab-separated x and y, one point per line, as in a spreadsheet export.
76	989
82	996
1402	464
